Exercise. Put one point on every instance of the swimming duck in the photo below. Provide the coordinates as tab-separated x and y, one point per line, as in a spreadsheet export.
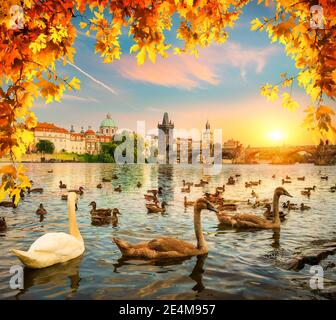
99	212
288	178
8	204
306	193
212	197
99	186
221	189
152	208
324	177
186	189
114	219
139	185
80	191
154	203
254	194
268	214
310	188
168	247
3	224
255	183
290	206
187	183
150	197
188	203
227	206
97	220
50	171
231	181
248	221
56	247
41	210
118	189
303	207
106	180
273	177
114	177
301	178
35	190
62	185
333	188
286	181
201	183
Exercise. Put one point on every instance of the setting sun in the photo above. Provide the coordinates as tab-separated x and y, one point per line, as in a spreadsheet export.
276	135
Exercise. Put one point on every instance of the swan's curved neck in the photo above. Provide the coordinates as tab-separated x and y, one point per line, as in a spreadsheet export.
276	219
198	229
73	227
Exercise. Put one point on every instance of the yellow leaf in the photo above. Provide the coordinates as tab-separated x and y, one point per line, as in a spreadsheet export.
256	24
83	25
151	54
75	83
190	3
134	48
27	4
141	56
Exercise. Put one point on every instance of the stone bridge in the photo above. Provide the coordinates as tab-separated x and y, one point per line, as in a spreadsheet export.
320	155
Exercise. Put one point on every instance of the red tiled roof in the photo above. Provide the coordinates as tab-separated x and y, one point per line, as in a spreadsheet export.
90	132
45	126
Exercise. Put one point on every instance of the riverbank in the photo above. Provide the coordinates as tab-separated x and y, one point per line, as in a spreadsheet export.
86	158
56	157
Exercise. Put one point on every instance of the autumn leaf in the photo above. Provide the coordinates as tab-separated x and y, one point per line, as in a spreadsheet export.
288	102
82	25
256	24
75	83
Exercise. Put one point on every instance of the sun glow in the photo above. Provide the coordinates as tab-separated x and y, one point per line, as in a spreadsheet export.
276	135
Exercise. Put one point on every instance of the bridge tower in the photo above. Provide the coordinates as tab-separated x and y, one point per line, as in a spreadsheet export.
207	144
166	129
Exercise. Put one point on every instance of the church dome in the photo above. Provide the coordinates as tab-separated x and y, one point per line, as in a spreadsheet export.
108	122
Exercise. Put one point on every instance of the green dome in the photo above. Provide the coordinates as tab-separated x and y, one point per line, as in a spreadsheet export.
108	122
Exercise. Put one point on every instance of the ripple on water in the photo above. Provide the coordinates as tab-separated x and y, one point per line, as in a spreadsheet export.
239	265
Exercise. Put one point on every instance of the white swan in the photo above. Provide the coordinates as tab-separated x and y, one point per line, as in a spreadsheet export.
54	248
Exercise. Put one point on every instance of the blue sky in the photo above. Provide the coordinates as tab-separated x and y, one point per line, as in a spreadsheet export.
222	85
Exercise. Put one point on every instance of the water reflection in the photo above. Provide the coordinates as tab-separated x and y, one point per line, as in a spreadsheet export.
165	181
53	276
276	238
196	273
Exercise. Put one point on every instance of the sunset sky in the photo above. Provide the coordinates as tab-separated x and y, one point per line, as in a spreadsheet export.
222	85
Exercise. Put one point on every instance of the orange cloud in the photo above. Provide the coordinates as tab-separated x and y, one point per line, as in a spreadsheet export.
188	72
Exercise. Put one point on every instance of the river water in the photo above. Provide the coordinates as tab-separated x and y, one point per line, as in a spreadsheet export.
239	265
